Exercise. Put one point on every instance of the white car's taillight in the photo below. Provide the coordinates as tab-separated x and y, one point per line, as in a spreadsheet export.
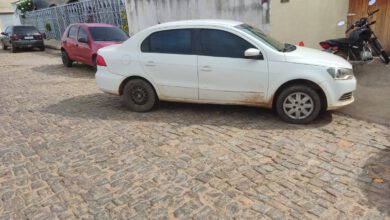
100	61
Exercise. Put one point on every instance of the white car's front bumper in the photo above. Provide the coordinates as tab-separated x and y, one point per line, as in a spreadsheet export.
339	93
107	81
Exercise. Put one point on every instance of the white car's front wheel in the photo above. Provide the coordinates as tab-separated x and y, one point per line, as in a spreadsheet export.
298	104
139	96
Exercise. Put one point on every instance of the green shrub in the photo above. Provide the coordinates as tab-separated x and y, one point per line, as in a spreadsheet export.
48	27
125	24
25	6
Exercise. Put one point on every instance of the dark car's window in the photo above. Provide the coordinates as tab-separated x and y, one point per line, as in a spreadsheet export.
25	30
219	43
107	34
82	34
172	42
73	32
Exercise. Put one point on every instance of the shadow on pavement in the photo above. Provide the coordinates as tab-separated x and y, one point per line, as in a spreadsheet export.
375	182
107	107
78	70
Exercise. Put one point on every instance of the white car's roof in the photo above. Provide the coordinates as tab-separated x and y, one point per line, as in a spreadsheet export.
225	23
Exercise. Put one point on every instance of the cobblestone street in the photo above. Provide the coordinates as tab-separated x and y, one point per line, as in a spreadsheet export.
68	151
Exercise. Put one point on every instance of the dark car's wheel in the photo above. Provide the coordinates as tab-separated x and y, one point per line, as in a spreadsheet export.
139	96
42	48
298	104
13	48
66	60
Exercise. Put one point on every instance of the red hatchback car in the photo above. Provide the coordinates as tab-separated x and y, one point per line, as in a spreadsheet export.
81	42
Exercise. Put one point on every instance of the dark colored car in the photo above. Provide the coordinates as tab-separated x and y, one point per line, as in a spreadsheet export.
17	37
81	42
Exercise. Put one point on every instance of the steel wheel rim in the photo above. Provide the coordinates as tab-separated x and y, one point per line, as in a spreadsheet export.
139	95
298	105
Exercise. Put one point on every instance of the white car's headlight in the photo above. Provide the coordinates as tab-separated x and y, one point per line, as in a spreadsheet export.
340	74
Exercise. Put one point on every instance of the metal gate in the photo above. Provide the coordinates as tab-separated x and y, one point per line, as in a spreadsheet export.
89	11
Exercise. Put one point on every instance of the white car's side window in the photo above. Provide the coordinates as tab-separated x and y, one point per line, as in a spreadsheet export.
218	43
178	41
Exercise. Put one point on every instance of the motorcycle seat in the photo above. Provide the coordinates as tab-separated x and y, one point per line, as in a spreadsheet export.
341	41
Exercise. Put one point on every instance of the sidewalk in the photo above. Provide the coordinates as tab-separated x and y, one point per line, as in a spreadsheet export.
53	44
372	94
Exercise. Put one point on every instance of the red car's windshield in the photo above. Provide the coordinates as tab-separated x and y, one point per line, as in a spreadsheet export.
107	34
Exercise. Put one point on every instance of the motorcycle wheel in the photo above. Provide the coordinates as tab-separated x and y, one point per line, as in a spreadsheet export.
341	54
384	57
377	47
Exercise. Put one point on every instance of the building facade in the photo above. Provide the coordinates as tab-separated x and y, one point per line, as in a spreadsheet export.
6	14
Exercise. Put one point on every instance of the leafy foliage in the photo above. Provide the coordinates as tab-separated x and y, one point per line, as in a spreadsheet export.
48	27
25	6
125	24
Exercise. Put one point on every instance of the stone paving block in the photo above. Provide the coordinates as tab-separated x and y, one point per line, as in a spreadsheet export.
68	151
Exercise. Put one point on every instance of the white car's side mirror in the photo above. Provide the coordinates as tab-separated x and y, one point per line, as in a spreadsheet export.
253	53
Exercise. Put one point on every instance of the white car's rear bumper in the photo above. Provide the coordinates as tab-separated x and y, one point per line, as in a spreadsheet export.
107	81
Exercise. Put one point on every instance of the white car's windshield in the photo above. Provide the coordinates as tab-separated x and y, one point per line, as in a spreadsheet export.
260	35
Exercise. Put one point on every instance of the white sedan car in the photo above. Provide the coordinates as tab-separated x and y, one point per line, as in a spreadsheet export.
224	62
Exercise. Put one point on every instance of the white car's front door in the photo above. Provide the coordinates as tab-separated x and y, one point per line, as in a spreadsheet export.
225	75
168	57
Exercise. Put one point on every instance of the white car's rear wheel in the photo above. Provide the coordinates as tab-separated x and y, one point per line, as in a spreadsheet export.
139	96
298	104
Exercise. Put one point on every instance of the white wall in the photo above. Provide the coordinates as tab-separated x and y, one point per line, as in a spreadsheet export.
145	13
311	21
15	18
5	21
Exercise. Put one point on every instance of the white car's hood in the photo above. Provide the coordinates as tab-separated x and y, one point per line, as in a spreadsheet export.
310	56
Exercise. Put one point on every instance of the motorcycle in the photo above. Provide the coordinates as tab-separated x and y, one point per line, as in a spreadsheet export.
360	43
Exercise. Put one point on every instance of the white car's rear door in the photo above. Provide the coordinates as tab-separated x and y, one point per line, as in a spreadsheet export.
168	57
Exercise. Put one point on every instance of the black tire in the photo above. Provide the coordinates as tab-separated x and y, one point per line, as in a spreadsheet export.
342	54
65	59
42	48
139	96
384	57
94	64
283	104
378	49
13	49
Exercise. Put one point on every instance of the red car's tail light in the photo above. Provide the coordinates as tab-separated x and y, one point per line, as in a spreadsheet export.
14	37
100	61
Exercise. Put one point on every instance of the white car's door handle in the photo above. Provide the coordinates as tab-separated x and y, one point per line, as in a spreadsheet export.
151	64
206	69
